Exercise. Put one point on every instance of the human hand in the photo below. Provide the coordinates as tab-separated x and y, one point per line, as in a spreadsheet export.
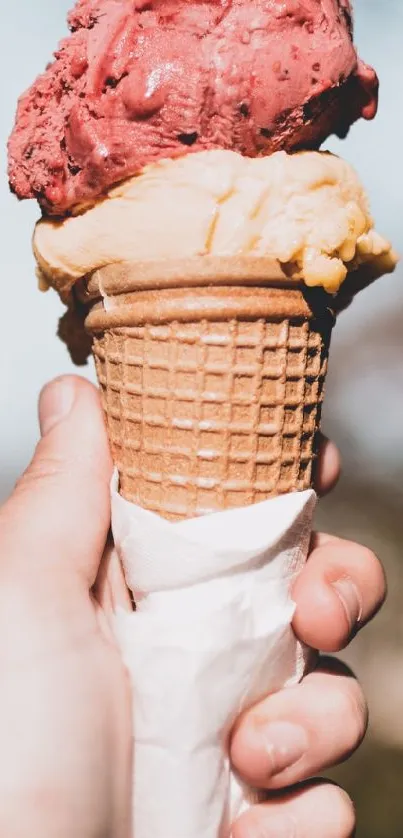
65	764
65	703
291	736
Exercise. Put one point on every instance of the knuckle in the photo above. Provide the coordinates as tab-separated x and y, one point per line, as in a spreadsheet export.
249	823
238	828
380	584
352	710
43	468
373	571
372	564
343	813
369	557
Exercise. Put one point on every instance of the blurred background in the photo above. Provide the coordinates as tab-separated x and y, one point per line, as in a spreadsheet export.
364	404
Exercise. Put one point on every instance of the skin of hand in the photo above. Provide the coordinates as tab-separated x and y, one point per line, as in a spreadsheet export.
65	702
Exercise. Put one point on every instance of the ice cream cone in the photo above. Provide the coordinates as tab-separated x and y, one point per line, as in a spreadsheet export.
212	394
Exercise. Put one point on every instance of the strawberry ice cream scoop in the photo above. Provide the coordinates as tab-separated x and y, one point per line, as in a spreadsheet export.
141	80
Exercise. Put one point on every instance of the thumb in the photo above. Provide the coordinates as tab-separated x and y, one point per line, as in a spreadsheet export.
59	513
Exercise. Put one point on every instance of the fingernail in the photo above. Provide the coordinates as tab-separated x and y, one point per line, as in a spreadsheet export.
350	599
55	403
285	744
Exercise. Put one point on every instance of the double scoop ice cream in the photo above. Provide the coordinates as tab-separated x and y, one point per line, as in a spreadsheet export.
162	130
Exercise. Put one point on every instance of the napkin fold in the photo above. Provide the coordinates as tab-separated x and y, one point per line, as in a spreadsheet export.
211	636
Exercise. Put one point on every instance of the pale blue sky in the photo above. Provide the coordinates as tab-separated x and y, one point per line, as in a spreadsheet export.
357	392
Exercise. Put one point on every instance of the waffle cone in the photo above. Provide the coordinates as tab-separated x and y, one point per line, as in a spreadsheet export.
212	375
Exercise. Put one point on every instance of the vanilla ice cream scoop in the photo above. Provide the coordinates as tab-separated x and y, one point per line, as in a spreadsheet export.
307	210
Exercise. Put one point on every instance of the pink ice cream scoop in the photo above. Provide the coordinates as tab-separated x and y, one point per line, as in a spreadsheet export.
141	80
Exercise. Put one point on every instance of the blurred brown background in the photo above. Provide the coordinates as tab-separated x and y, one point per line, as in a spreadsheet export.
371	512
364	405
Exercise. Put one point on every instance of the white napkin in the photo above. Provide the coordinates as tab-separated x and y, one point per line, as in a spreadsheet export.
211	635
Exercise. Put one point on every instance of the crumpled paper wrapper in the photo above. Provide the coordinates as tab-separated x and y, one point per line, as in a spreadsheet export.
211	636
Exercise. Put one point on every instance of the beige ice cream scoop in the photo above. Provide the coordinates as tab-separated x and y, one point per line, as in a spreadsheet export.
308	211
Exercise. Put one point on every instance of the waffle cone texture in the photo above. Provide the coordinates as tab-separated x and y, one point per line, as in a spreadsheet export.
212	376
